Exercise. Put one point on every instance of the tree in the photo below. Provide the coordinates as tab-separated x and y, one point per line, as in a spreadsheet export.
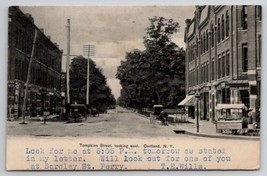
100	95
157	73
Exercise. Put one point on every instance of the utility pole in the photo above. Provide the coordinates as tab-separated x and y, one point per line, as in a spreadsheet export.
68	63
89	50
28	80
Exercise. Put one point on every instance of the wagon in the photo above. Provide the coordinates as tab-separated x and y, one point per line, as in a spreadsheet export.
232	118
78	112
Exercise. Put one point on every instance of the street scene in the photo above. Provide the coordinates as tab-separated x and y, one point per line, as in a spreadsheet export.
201	81
189	73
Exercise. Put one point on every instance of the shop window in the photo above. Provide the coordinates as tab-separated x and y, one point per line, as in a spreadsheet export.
253	90
244	96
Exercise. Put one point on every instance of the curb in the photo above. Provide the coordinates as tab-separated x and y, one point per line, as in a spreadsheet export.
257	138
253	138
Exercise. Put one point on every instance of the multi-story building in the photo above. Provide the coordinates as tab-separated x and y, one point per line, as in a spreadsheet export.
223	57
45	75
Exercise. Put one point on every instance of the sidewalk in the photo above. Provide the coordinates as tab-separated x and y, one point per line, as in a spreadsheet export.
206	129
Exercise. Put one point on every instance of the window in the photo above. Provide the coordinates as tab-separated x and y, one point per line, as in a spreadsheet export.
227	25
194	77
223	27
207	72
259	12
188	52
219	31
190	78
202	73
223	65
201	45
212	69
212	36
253	90
207	40
197	45
244	17
228	96
219	66
227	64
204	44
194	50
245	57
197	76
258	62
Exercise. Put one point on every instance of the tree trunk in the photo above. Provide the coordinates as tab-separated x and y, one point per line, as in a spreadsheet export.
159	96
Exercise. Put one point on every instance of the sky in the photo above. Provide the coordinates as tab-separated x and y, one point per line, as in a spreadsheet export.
114	30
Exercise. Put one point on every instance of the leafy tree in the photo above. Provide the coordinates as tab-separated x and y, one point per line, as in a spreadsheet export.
157	73
100	95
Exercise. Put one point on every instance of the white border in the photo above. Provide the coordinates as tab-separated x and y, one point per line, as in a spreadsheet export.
3	80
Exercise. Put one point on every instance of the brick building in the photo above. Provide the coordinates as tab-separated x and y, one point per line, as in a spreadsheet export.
223	57
44	87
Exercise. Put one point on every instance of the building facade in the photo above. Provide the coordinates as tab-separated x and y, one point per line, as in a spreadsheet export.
45	75
223	57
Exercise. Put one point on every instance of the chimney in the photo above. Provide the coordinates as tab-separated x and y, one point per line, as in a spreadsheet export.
29	16
42	30
56	45
49	37
187	22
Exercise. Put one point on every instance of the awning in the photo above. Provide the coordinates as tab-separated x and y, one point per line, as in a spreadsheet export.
158	106
238	83
230	106
188	101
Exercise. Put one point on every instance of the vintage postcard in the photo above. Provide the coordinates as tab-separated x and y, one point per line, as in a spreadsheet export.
134	87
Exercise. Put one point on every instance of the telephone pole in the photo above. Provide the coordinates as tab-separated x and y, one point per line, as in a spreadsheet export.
89	50
28	80
68	63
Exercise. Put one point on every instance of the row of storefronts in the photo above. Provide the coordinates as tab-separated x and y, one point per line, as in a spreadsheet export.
223	50
44	93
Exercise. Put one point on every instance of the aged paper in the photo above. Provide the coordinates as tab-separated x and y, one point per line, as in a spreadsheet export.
134	88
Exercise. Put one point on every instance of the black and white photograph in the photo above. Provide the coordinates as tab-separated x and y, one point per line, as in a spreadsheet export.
134	87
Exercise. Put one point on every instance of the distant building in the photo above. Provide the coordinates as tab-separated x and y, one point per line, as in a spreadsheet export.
223	57
44	88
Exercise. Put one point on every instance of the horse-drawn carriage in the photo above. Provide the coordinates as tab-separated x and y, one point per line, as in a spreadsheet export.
234	119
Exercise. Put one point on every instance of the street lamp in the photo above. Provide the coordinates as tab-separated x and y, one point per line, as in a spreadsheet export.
197	95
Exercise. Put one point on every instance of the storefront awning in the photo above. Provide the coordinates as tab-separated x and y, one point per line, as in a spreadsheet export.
237	83
188	101
230	106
